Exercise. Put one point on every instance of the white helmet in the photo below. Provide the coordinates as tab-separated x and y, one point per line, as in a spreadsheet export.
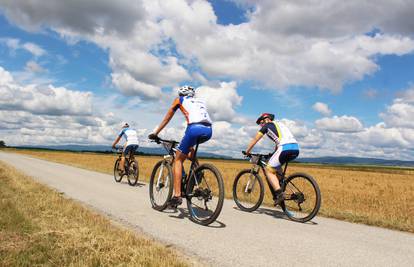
124	124
186	91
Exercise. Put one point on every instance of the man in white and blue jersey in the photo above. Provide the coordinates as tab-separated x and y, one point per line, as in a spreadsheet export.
131	143
198	130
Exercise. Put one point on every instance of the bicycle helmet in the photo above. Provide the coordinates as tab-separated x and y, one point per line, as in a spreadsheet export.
264	116
125	125
186	91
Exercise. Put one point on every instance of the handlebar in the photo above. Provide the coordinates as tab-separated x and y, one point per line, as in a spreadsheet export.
158	140
118	149
256	154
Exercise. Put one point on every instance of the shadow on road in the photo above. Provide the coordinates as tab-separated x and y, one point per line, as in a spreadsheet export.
183	213
276	214
139	184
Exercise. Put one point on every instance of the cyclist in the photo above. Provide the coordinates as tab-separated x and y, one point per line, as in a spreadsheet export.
198	130
131	143
286	149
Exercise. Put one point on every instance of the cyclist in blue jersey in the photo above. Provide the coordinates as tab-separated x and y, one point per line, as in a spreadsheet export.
286	149
198	126
131	143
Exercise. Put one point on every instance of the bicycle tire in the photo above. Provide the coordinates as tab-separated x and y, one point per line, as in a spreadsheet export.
241	200
117	176
200	191
167	183
297	197
133	172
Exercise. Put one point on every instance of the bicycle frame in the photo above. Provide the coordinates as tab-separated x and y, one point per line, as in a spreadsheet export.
262	165
170	158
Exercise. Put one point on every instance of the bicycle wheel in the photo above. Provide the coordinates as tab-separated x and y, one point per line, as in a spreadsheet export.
161	185
302	197
205	194
117	172
133	173
248	190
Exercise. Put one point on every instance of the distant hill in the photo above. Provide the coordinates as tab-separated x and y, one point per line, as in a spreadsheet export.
357	161
103	148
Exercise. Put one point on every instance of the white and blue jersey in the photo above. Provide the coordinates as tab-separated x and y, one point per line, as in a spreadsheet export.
130	136
198	122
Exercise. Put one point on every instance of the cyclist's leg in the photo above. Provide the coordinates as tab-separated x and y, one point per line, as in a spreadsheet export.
186	150
182	153
132	152
177	172
122	163
273	169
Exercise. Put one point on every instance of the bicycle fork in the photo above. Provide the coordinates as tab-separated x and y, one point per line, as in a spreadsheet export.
160	184
250	184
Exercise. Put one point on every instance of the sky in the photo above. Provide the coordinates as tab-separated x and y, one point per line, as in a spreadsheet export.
339	74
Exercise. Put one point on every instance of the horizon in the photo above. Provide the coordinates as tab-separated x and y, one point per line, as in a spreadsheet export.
319	160
72	72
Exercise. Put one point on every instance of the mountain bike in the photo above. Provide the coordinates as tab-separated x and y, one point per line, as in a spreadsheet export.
131	168
202	186
302	195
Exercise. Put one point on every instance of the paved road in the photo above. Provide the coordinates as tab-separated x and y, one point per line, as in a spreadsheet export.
263	238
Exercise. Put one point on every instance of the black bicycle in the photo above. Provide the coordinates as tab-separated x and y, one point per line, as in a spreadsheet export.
302	195
202	186
131	168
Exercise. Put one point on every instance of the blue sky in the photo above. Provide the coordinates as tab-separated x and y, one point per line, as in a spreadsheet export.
344	88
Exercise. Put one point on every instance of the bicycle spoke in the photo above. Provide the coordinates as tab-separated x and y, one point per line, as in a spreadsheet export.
160	187
302	198
248	191
204	197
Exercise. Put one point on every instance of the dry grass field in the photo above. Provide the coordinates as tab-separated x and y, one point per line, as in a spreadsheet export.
374	196
39	227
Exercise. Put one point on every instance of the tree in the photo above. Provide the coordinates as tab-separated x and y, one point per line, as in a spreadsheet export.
2	143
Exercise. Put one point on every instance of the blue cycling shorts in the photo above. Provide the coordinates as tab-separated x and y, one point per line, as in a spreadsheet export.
132	148
194	132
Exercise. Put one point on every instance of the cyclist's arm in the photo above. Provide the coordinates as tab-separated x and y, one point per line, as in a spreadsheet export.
116	141
165	121
256	139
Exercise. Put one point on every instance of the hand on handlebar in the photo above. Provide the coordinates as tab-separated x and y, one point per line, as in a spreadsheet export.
154	137
246	153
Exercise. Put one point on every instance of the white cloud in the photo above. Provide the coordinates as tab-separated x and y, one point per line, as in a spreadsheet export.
343	124
11	43
379	136
160	43
129	86
32	66
401	112
399	115
14	44
406	96
157	44
34	49
222	101
35	115
85	17
42	100
322	108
